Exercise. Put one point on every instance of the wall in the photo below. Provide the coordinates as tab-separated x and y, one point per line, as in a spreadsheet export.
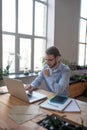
50	24
66	28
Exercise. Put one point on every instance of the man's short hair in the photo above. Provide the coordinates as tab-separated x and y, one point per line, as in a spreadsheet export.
53	51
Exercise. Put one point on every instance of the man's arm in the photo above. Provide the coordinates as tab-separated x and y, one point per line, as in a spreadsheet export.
59	84
38	80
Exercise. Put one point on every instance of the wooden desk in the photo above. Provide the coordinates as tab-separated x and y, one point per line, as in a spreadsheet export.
7	101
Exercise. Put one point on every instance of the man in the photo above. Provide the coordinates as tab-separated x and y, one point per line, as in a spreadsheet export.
55	74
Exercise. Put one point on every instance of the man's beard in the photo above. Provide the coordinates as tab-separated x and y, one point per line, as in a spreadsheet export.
53	65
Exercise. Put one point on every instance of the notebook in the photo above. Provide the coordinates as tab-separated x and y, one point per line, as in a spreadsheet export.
16	88
56	105
58	99
71	106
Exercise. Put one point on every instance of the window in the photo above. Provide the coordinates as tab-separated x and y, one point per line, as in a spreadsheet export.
82	60
24	24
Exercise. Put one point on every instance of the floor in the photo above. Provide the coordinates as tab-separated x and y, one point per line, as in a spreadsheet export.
82	98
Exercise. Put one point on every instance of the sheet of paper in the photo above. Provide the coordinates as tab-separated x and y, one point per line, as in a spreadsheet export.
72	107
21	114
3	90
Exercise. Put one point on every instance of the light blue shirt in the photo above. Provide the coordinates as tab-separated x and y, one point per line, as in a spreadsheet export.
57	82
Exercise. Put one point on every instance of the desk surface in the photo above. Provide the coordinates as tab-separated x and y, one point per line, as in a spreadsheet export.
7	102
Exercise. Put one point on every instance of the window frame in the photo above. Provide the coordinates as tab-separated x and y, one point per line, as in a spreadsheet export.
32	37
82	43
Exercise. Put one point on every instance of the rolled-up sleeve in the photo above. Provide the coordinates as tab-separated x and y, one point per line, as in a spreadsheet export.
38	80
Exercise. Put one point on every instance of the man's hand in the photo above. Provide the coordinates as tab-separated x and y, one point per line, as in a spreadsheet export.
47	72
29	88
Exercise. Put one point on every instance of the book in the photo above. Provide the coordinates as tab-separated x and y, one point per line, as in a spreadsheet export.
60	99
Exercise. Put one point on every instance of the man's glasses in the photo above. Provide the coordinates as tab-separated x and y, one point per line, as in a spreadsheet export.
49	60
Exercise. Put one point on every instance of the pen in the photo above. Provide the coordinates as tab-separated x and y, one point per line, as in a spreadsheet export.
42	101
67	105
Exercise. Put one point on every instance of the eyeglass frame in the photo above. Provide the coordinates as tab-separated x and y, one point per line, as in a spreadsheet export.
50	60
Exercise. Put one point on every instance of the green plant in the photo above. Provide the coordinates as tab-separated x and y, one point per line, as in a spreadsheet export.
81	78
6	70
72	65
43	61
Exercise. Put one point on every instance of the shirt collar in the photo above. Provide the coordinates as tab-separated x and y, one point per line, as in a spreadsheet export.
58	68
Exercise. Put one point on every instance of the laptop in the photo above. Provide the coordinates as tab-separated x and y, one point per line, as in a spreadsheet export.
16	88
